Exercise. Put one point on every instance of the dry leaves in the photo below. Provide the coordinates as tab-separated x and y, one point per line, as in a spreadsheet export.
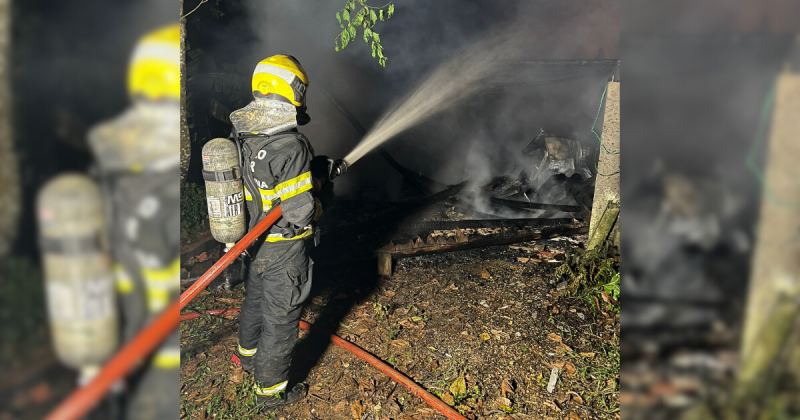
564	366
236	376
608	299
507	387
563	348
357	410
339	407
569	368
573	396
400	344
503	401
448	399
459	387
228	300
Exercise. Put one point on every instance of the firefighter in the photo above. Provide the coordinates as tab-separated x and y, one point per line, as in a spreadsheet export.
137	163
276	168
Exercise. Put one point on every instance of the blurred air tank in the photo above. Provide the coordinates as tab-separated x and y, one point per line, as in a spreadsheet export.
79	282
224	192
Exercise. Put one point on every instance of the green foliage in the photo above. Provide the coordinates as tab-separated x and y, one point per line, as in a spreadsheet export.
22	309
366	18
592	269
193	210
612	287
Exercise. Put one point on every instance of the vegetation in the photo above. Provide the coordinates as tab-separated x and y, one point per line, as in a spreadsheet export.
594	276
22	309
193	210
366	18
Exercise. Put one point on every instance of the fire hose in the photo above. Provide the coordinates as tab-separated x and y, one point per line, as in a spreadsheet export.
82	400
398	377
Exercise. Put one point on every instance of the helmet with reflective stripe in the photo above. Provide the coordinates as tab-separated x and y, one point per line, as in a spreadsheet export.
281	75
154	71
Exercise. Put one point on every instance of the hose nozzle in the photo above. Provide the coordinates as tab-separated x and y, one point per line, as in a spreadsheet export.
338	167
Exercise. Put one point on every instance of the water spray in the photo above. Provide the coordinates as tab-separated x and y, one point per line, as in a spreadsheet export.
450	83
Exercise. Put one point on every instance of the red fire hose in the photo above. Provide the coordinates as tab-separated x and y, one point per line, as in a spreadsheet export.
398	377
83	399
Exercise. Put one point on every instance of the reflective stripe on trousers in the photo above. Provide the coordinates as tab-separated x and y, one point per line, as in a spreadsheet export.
271	390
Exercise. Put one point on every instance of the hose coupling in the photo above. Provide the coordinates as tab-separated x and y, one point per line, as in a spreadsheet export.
338	167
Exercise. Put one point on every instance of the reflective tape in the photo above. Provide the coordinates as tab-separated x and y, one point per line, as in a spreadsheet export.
246	352
277	237
169	274
124	281
160	284
157	300
286	190
167	358
272	390
284	74
160	51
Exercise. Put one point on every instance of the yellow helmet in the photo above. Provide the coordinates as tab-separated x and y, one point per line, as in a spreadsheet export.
154	71
281	75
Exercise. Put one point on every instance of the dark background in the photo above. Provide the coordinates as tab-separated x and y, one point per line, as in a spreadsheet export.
70	61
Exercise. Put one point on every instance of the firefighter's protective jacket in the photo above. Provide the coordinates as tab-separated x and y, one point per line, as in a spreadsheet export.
276	169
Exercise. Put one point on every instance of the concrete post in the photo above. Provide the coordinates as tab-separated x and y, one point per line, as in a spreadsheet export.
775	272
606	186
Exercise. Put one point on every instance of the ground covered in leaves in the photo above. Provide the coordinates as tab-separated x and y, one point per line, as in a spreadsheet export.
482	329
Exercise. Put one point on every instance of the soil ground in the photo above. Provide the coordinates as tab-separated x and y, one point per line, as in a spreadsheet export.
479	328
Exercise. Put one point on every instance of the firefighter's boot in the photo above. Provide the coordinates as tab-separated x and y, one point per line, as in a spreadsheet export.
266	403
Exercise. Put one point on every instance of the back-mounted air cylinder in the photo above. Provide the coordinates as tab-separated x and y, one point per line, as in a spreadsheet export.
81	297
224	192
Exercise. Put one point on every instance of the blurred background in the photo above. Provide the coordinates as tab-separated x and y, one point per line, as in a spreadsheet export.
709	179
711	194
63	70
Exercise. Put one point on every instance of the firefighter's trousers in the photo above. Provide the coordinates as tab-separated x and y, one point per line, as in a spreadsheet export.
277	283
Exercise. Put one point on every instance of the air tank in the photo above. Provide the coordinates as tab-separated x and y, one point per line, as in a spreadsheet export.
79	282
224	191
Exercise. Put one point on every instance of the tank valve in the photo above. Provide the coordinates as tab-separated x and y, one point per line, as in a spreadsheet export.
338	167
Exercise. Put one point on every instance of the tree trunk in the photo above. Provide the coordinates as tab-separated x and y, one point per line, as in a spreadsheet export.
606	187
186	144
9	169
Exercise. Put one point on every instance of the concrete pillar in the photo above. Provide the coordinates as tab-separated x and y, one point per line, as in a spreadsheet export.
776	261
606	186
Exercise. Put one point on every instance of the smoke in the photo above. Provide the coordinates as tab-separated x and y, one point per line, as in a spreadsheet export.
451	45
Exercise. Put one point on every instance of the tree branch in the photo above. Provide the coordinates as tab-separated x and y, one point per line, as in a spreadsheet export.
193	10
